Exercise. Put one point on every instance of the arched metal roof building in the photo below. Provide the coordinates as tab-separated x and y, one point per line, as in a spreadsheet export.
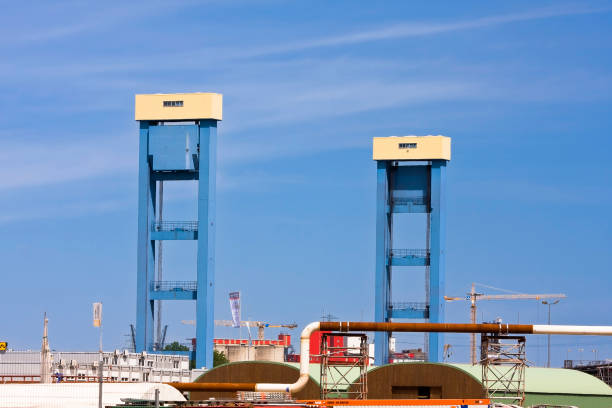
254	372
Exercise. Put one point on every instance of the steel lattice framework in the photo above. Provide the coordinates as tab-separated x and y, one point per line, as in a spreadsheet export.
337	362
503	367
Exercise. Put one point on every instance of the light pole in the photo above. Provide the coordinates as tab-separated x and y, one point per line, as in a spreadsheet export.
544	302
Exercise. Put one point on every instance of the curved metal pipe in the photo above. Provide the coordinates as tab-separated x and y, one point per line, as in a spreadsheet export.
304	364
499	328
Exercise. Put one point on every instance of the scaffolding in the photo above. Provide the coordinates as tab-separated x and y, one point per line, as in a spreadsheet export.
503	367
338	363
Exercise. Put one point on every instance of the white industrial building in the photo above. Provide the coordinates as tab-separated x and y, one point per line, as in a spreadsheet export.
118	366
255	350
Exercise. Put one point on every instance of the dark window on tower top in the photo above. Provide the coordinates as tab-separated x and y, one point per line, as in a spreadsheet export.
407	145
168	104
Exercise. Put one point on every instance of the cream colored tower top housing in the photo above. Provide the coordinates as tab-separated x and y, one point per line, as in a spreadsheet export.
180	106
412	148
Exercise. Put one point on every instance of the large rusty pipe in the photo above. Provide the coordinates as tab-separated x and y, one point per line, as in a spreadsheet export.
499	328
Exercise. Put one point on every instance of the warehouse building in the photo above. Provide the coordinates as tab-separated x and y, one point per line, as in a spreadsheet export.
118	366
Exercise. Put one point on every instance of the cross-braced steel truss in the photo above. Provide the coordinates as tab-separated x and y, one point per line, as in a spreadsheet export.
503	367
338	366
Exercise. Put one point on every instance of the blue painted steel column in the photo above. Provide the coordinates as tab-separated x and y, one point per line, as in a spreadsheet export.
383	264
146	247
206	244
437	257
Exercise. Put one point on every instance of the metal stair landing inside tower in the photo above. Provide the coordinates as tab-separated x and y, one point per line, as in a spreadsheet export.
408	204
409	257
174	290
409	310
174	230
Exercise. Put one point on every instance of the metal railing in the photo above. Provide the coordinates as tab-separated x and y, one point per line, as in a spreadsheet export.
175	286
175	226
409	200
408	253
584	363
409	306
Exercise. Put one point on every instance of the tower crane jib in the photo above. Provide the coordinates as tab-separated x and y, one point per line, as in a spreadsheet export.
473	296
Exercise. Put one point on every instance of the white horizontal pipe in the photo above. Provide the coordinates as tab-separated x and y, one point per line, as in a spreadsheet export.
272	387
574	330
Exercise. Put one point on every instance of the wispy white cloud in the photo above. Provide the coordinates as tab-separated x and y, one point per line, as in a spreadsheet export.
73	18
420	29
70	209
255	180
198	59
313	99
42	162
278	91
534	192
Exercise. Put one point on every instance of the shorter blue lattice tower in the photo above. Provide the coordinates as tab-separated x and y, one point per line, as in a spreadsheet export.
178	141
411	178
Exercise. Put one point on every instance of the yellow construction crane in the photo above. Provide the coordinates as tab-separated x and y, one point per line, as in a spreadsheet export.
472	296
246	323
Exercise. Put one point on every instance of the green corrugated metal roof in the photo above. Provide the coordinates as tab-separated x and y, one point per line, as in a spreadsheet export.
552	380
537	379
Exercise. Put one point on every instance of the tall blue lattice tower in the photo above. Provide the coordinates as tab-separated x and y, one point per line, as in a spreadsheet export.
411	178
178	141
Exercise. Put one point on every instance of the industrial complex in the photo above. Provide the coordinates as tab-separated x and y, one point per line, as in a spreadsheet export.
328	363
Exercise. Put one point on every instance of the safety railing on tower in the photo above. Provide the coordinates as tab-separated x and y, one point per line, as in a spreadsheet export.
409	200
175	226
407	253
409	306
174	286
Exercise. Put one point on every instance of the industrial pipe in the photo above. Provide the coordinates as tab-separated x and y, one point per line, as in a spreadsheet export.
499	328
182	387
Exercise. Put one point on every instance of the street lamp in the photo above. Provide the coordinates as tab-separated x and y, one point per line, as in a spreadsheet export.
544	302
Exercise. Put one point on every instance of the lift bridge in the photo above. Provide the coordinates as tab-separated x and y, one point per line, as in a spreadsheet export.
411	178
178	141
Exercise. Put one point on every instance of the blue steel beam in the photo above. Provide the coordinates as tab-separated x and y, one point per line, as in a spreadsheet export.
177	175
408	208
146	247
383	269
173	295
409	313
437	255
206	243
174	235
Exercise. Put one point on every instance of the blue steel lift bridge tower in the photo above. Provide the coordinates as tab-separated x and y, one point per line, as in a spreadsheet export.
411	178
178	141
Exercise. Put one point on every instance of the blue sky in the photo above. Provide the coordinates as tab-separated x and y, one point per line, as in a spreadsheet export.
522	88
